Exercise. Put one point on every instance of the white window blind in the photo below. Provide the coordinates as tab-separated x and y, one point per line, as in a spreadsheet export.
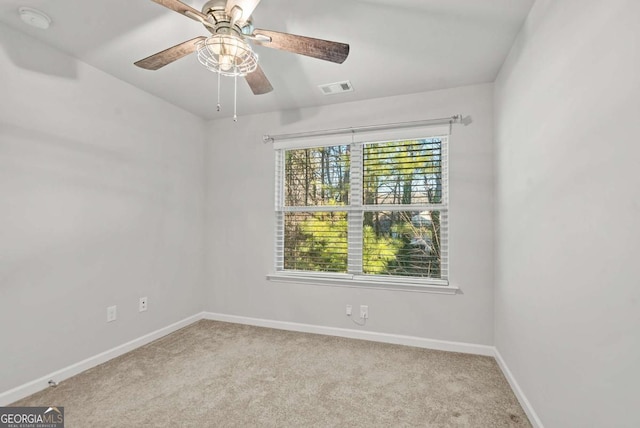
372	210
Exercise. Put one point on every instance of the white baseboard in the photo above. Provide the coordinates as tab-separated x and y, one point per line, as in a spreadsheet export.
32	387
418	342
524	402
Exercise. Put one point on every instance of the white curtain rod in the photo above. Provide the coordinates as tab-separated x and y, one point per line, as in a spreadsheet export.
458	118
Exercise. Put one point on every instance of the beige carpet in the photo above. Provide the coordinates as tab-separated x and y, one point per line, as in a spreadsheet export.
213	374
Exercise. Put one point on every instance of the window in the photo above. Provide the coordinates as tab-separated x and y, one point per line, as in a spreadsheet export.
363	213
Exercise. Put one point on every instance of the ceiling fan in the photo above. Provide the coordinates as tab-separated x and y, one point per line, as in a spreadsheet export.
227	52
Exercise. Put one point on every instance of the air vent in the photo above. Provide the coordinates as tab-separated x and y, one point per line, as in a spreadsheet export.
336	88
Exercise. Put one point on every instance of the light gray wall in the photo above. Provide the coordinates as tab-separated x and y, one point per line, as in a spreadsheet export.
101	195
568	209
240	221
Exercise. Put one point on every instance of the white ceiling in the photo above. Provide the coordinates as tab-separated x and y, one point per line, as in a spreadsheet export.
397	47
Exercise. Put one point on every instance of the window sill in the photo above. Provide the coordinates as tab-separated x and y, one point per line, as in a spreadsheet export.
338	280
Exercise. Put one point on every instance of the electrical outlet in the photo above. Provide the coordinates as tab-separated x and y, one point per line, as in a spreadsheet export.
142	304
364	311
349	310
112	312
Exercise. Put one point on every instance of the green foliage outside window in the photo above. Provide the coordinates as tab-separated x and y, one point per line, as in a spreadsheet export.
395	242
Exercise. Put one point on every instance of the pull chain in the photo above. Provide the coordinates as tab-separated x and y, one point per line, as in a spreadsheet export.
218	107
235	97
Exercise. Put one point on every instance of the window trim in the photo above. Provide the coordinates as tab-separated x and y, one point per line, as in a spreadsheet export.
361	281
378	282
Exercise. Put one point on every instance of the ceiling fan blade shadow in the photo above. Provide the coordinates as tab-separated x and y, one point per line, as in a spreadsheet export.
258	82
182	8
315	48
247	6
167	56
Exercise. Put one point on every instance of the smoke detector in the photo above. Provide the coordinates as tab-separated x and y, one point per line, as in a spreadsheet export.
34	17
336	88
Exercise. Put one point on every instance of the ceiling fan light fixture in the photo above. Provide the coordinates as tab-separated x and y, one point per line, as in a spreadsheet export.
227	54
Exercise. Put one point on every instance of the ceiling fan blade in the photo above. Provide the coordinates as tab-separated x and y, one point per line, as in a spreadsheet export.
315	48
258	82
247	6
182	8
167	56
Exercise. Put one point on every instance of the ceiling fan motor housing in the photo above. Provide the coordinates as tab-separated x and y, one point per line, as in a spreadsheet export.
216	10
214	5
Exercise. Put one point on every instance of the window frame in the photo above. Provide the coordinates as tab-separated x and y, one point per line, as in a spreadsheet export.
355	211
